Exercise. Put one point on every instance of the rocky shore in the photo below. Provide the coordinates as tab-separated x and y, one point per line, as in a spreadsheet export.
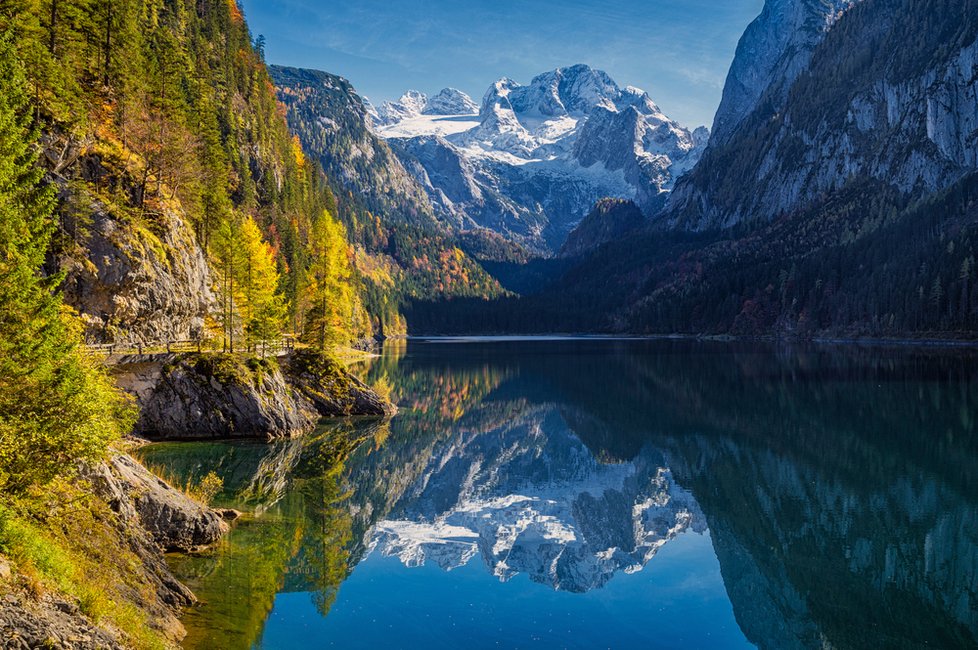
214	396
147	517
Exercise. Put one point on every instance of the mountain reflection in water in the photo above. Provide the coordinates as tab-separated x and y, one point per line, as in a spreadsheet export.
835	488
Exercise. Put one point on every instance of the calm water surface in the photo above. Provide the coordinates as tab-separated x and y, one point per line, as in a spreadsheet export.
609	494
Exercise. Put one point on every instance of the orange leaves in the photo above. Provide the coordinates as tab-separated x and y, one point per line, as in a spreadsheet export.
236	15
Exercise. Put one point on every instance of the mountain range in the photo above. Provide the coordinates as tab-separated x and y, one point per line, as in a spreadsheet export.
527	164
835	197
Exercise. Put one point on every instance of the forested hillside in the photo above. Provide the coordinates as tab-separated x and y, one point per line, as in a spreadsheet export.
150	192
186	209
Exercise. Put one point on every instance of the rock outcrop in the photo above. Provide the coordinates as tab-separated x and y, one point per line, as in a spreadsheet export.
776	47
174	521
332	390
207	396
220	396
133	286
50	622
145	517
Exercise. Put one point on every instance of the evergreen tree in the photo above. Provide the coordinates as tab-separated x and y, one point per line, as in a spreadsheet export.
55	407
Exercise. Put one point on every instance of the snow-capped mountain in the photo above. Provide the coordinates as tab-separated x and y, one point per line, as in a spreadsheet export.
533	159
530	497
414	104
450	101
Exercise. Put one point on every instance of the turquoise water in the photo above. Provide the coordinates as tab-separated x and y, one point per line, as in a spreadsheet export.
609	494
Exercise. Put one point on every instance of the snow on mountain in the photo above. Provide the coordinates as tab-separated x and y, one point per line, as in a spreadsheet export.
411	104
545	152
450	101
531	498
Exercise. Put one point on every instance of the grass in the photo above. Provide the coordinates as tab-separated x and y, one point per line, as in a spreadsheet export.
64	542
203	491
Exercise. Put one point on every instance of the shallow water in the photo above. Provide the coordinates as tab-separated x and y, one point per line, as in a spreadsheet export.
588	493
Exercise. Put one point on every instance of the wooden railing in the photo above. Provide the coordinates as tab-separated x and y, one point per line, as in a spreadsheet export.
274	347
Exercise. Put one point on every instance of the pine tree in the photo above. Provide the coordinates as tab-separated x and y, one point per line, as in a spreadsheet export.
54	406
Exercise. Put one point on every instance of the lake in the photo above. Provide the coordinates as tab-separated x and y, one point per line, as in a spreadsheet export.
587	493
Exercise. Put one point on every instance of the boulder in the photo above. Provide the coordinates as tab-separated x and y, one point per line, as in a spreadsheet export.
332	390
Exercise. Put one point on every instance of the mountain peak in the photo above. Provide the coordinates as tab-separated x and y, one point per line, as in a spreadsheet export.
450	101
411	104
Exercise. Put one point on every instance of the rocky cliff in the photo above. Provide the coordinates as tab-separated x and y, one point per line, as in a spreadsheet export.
135	281
885	93
774	50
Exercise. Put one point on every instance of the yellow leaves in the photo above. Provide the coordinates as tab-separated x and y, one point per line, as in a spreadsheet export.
300	157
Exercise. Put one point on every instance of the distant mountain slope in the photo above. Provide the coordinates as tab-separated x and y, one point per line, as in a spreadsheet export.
843	206
883	98
774	50
610	220
535	158
331	122
404	251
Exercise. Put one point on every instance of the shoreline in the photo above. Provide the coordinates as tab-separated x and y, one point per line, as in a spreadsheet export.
933	343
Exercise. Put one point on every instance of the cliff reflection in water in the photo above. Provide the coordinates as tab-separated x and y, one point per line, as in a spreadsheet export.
838	486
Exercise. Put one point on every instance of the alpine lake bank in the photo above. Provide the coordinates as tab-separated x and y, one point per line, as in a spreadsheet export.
86	564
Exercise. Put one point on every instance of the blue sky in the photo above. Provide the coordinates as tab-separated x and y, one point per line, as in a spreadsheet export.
677	50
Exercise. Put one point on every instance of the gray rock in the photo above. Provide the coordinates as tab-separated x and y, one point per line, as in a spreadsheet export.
332	390
218	396
912	129
50	623
175	521
137	288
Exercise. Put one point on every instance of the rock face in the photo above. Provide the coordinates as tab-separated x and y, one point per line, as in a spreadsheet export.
450	101
175	522
536	157
222	396
906	117
610	219
218	396
136	287
49	623
773	51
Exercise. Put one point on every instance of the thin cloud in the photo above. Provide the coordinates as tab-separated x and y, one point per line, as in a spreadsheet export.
678	50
